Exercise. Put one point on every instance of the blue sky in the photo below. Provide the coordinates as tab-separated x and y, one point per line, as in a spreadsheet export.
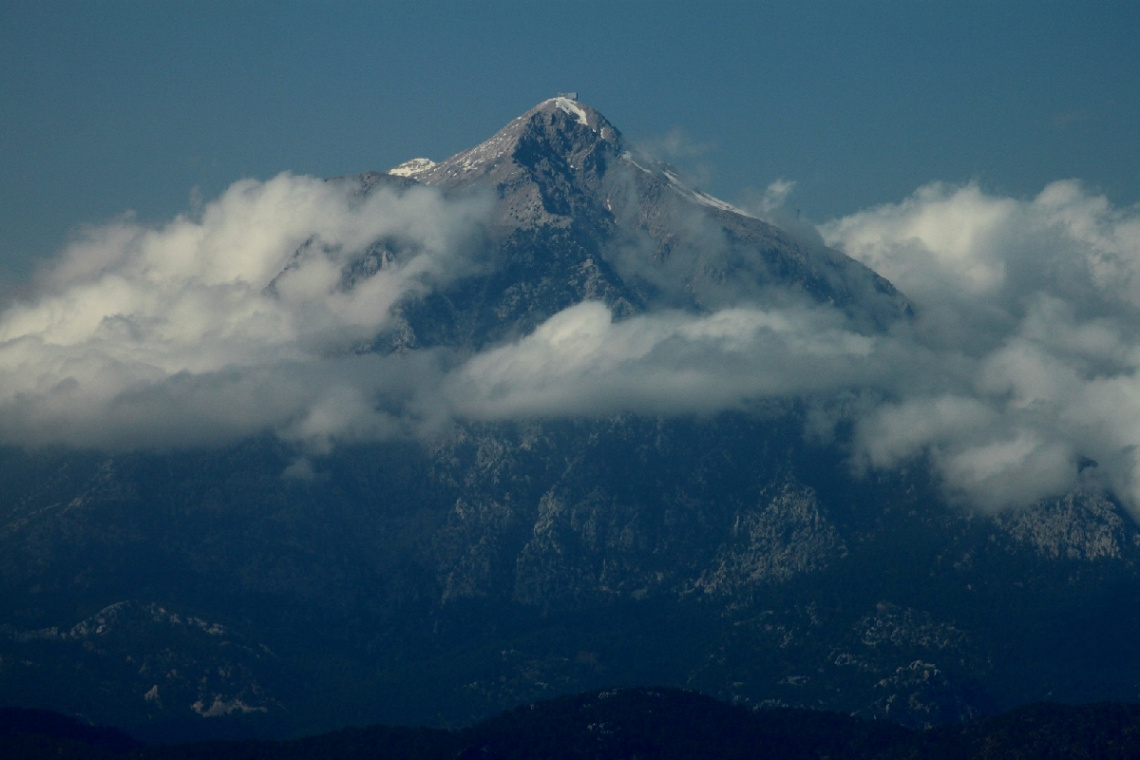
115	105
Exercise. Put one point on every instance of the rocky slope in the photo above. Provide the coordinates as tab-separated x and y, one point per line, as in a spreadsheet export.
579	215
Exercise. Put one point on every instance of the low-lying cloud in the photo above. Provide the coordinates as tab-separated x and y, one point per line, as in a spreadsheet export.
1020	369
1028	311
240	320
580	361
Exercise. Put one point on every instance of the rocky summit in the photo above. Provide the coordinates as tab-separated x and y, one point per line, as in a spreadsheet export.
580	215
438	578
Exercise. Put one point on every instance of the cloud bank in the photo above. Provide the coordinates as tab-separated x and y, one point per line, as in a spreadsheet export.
241	320
1019	371
580	361
1029	317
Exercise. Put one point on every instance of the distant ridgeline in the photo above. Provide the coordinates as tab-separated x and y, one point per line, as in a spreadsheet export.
651	724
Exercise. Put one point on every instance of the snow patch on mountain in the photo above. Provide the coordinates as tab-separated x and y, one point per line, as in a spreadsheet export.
680	187
700	197
412	168
572	108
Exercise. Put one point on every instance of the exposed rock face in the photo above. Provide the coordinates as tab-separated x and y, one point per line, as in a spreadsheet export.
785	535
513	562
1079	525
548	166
890	625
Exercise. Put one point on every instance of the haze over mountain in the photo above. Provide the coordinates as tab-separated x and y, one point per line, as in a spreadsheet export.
422	444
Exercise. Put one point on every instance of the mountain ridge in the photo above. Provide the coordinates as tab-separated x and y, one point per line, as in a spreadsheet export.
287	586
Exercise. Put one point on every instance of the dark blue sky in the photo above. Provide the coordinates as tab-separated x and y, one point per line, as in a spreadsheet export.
112	106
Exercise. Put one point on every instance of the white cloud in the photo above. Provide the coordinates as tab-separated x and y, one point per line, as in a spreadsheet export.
939	238
225	324
580	362
1022	360
1030	308
771	204
1022	363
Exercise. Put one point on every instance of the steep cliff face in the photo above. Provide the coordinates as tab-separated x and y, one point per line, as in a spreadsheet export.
558	516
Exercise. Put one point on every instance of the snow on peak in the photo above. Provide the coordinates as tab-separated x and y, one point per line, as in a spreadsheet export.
662	169
413	167
699	196
572	108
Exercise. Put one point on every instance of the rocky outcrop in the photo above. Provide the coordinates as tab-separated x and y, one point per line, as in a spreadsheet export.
785	535
1081	525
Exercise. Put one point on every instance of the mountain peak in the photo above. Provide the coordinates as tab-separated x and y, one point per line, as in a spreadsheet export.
582	114
561	171
559	144
571	106
558	128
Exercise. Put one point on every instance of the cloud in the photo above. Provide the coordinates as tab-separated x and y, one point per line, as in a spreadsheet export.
1020	368
581	362
771	204
241	319
258	312
678	150
1029	316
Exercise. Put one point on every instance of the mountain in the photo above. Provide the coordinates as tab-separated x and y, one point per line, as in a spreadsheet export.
488	560
579	215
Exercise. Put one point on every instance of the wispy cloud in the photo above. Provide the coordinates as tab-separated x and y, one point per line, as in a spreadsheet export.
682	152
